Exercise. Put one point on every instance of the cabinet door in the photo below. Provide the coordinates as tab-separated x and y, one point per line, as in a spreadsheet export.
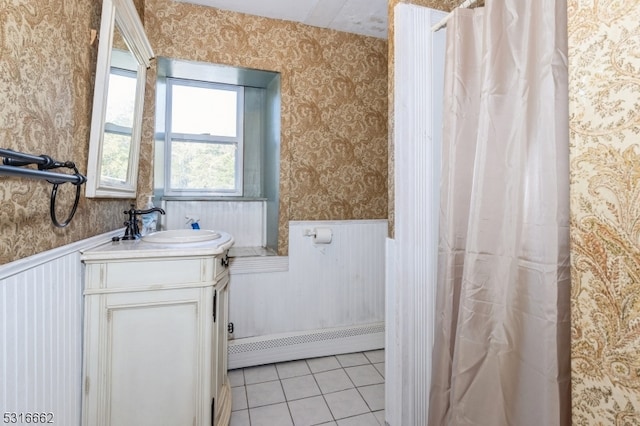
154	371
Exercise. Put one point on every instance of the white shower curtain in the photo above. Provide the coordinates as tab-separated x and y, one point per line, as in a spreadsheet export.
502	337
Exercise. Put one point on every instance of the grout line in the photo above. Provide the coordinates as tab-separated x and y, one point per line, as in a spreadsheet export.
286	401
333	418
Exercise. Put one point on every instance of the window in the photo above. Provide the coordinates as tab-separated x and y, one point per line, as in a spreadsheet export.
204	138
217	148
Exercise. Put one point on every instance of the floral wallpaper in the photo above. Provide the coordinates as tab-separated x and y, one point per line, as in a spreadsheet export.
604	72
46	92
334	103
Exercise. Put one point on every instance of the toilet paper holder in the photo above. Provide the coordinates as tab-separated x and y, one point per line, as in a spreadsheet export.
319	235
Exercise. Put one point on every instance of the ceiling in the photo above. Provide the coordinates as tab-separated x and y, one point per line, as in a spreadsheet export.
366	17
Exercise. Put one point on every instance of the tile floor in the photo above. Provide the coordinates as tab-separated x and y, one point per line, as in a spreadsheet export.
343	390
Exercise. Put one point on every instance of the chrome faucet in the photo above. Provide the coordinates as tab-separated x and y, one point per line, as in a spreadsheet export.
133	230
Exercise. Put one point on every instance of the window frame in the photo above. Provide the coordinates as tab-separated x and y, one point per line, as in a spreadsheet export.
237	141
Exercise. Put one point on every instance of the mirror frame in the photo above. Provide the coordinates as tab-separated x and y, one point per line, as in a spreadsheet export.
120	14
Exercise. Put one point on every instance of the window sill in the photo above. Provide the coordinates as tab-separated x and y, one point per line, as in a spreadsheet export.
209	198
251	252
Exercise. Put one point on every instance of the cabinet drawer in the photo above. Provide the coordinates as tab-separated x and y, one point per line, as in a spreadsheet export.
149	274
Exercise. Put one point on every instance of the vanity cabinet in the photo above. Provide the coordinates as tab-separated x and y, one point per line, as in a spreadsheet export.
155	335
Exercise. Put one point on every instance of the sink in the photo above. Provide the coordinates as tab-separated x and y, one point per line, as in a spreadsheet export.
178	236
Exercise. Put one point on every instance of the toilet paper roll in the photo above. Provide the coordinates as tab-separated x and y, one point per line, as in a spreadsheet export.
322	236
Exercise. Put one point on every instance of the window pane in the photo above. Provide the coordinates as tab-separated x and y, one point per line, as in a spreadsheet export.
122	98
200	110
208	166
115	157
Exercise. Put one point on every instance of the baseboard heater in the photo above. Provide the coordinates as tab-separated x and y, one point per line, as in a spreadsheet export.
274	348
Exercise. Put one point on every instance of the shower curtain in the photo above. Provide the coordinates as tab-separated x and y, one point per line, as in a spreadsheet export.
501	354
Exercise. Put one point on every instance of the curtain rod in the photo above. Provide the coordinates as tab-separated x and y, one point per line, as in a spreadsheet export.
443	23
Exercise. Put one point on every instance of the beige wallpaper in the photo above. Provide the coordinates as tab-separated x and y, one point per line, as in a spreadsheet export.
46	92
334	103
604	64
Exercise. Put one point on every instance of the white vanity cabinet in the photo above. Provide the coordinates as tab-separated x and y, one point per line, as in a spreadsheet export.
155	335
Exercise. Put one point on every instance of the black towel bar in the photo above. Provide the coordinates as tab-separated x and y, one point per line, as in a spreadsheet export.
13	163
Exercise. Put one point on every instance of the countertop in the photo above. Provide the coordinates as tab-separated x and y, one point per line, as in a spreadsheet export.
138	249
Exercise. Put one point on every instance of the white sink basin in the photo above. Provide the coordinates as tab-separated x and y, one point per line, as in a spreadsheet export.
180	236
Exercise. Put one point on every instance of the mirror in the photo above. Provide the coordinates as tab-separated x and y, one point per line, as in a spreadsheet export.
124	55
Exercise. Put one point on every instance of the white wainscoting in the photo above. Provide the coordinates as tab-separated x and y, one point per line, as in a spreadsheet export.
327	291
41	333
245	220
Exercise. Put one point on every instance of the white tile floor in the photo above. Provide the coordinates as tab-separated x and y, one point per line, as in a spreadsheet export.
343	390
